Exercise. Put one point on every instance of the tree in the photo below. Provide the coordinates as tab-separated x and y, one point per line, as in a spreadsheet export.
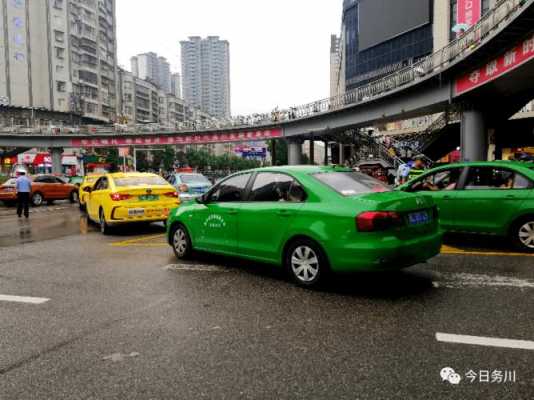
281	152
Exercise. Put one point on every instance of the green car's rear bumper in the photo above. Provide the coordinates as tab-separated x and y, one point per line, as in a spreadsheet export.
386	253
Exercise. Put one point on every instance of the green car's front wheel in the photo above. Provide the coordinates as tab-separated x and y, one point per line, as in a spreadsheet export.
523	234
181	242
306	262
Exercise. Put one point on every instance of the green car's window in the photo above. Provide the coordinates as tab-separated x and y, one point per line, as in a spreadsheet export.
274	187
521	182
442	180
351	183
484	178
231	190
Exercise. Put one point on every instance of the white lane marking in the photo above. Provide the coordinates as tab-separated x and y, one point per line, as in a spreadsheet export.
485	341
457	281
23	299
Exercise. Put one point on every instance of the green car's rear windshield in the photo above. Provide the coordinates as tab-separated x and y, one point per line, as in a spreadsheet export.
351	183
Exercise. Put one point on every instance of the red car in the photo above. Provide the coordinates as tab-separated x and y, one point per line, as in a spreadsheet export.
49	188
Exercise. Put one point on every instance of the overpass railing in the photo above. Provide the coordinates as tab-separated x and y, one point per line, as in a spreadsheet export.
456	50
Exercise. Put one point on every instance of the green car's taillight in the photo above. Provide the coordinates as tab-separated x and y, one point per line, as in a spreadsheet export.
373	221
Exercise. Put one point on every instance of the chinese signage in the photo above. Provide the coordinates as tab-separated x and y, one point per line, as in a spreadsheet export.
496	376
152	140
497	67
469	12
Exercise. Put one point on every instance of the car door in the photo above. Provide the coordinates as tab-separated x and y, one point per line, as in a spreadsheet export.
443	187
96	198
490	198
62	189
48	187
274	201
215	223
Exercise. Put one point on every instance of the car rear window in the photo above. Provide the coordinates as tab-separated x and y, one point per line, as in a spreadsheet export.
351	183
140	181
194	178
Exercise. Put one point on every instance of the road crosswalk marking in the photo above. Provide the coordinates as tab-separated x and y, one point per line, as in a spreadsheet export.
485	341
23	299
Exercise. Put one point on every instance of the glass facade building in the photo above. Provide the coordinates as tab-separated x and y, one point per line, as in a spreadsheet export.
371	63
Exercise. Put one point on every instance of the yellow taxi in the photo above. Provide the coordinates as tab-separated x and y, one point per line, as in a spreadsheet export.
88	181
121	198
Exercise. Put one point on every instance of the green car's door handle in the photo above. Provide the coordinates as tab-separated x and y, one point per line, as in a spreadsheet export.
232	212
284	213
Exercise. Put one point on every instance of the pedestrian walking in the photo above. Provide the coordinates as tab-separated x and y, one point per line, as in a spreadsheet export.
24	188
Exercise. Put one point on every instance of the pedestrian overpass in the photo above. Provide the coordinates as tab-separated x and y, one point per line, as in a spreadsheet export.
487	75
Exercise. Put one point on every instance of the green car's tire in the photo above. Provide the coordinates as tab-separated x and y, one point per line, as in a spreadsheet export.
522	234
306	262
181	242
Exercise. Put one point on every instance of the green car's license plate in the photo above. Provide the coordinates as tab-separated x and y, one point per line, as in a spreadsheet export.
148	197
419	218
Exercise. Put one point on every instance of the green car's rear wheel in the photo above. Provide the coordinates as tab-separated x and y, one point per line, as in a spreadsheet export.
181	242
523	234
306	262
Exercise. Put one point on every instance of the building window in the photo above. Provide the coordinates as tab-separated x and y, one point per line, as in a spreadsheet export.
60	69
60	53
61	86
59	36
58	4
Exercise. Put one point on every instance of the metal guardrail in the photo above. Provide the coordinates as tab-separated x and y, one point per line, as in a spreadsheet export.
421	70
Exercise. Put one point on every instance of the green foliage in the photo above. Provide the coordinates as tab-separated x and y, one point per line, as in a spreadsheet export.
203	161
281	152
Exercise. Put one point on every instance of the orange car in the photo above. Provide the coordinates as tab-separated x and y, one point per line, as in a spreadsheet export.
49	188
8	192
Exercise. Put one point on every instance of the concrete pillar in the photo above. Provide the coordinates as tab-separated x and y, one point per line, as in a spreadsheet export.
56	154
312	151
294	152
474	137
326	152
341	154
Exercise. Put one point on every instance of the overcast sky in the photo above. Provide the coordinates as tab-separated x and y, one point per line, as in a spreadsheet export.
279	49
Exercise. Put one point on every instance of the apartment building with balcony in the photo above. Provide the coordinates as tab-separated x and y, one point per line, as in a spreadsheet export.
60	55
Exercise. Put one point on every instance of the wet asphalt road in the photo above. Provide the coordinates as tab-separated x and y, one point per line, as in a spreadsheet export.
125	321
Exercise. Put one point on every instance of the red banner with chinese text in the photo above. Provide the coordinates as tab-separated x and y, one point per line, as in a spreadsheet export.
469	12
200	138
513	58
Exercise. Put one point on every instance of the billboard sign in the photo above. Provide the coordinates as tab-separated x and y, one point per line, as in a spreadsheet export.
497	67
177	139
469	12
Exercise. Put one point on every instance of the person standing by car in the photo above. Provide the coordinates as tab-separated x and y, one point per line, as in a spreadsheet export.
418	168
24	188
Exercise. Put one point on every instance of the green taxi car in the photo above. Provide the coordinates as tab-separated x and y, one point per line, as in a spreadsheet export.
494	197
310	220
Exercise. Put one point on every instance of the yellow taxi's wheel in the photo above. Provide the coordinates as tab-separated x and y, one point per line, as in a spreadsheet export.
104	227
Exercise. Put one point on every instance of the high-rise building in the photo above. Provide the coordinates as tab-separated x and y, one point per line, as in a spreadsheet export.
383	36
176	85
337	83
151	67
59	55
206	74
